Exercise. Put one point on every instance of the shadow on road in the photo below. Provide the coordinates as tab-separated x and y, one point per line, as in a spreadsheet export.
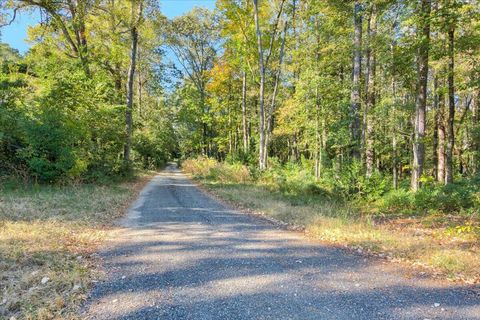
187	256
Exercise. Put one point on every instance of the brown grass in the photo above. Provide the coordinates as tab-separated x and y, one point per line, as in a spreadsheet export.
51	233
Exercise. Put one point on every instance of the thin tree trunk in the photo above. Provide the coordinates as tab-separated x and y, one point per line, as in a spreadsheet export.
318	142
131	76
140	89
435	128
441	139
421	99
451	108
355	93
475	141
395	170
271	110
318	133
261	129
205	134
395	165
370	105
230	133
244	112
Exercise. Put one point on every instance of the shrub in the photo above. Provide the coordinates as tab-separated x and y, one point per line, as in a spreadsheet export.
292	179
51	152
397	200
210	169
453	198
199	167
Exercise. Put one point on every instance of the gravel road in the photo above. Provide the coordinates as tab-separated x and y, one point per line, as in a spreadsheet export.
183	255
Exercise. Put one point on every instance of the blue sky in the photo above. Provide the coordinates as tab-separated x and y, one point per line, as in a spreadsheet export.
16	33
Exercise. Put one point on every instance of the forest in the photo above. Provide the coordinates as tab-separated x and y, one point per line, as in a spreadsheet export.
371	106
360	91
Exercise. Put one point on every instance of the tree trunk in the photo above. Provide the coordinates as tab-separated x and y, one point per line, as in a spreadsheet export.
140	89
131	77
318	139
261	127
370	92
395	169
475	135
451	108
435	128
421	99
395	165
355	93
205	133
271	110
244	112
441	139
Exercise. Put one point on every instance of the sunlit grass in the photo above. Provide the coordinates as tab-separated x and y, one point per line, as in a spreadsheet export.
48	239
414	239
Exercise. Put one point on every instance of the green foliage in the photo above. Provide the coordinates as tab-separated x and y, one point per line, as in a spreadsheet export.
292	179
459	197
50	150
154	147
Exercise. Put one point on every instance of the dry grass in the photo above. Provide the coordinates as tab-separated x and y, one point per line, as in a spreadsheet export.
415	239
206	168
48	238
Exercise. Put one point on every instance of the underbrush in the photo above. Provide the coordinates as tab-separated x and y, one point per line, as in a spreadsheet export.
462	197
48	238
210	169
437	227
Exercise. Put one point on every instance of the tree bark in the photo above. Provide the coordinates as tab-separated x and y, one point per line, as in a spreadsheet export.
435	128
244	112
475	135
451	108
318	139
271	109
421	98
131	76
261	127
355	93
370	92
441	139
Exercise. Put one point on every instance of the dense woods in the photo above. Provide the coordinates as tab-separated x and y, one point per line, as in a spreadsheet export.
87	93
357	93
358	90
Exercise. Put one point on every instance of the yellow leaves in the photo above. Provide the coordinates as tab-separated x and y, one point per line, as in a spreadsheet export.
221	76
288	116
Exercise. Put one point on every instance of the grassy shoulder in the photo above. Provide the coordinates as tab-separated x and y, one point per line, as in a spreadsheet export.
48	239
448	244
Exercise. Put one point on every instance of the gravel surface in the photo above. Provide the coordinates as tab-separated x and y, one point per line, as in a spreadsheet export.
184	255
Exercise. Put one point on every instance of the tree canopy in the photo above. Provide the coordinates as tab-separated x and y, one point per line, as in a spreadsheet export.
364	88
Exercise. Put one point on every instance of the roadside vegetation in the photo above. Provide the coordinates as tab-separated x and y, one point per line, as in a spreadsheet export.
437	228
48	238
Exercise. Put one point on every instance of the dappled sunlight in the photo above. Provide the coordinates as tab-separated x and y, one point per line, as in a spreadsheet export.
188	254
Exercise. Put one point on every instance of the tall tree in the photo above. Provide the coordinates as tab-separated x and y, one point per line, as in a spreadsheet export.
357	67
69	17
194	39
423	32
370	91
261	99
451	95
136	19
